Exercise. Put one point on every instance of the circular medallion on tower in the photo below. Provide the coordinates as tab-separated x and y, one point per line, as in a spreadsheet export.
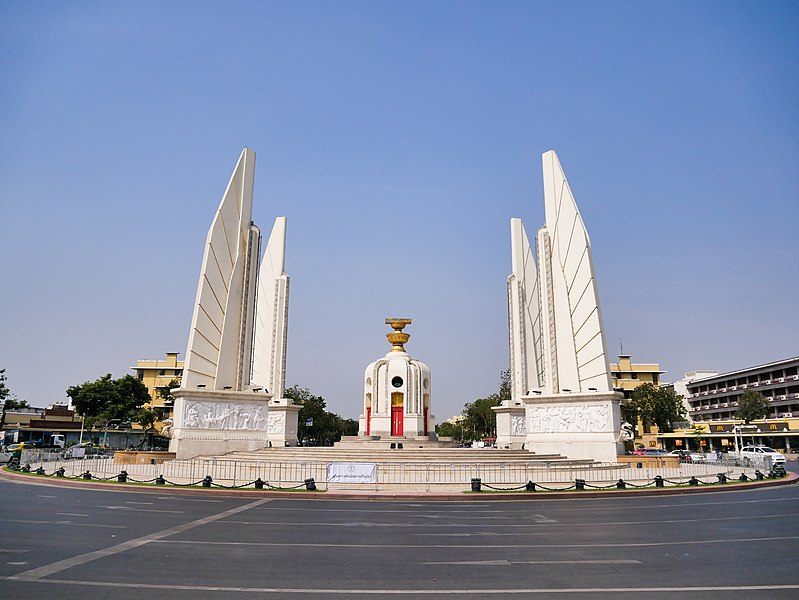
397	382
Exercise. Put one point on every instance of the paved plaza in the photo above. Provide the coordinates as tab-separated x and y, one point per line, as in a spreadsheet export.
64	542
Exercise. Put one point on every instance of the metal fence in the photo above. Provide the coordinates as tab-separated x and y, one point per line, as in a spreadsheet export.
422	475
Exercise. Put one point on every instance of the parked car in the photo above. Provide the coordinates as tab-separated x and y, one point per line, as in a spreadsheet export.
19	446
751	454
81	449
655	452
688	456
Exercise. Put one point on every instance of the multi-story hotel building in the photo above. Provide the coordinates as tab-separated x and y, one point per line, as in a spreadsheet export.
626	375
715	398
157	374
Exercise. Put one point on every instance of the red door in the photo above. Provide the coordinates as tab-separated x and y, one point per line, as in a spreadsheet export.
397	423
368	420
425	419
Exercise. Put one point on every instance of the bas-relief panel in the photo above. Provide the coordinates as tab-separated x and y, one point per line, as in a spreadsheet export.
517	425
276	422
225	416
569	419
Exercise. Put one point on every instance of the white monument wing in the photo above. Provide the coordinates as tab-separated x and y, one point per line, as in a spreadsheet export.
524	315
579	331
215	339
271	322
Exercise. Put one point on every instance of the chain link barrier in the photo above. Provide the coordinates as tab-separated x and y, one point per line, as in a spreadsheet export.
776	472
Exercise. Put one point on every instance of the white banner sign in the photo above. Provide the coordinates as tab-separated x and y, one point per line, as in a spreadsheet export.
351	472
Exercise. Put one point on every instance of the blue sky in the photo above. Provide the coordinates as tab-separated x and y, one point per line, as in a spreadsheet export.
399	138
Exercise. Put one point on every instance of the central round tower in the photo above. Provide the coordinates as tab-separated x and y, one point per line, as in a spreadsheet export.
396	398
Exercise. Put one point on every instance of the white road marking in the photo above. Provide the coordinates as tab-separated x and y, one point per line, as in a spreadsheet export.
72	515
598	545
43	496
183	499
17	563
420	592
62	565
504	563
35	522
539	523
131	509
131	502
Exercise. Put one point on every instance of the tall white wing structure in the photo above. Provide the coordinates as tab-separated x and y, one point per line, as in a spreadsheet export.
561	401
524	315
220	340
271	324
577	340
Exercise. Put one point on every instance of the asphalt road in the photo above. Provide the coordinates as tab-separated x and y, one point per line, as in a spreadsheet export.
72	543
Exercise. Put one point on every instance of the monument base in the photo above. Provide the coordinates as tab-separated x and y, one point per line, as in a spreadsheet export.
511	430
282	422
376	442
215	422
583	425
413	425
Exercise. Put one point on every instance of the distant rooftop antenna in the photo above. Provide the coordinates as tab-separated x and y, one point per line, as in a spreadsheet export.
621	348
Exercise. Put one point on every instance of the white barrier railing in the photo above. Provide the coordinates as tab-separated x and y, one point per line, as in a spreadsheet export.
389	475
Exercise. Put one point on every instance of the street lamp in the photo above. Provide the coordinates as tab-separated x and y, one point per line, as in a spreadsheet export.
738	430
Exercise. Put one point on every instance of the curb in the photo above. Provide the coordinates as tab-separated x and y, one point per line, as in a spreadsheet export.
15	477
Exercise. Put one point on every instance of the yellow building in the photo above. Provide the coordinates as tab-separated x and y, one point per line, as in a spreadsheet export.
626	375
157	375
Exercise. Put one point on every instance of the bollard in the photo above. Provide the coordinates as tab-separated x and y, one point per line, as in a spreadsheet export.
399	445
579	484
87	476
310	485
693	481
160	480
40	471
393	446
206	483
621	485
658	481
476	484
743	476
60	472
259	484
758	475
122	477
722	478
530	487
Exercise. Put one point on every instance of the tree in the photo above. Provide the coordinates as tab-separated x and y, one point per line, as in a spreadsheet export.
480	420
656	405
8	399
165	392
4	391
504	385
316	425
107	398
446	429
752	405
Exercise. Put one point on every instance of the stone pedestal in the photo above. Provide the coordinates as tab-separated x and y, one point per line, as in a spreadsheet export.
282	422
584	425
215	422
511	429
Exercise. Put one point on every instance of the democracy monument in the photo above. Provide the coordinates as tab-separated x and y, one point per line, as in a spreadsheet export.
234	373
561	394
230	399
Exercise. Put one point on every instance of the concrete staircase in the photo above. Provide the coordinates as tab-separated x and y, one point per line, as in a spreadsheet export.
404	455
